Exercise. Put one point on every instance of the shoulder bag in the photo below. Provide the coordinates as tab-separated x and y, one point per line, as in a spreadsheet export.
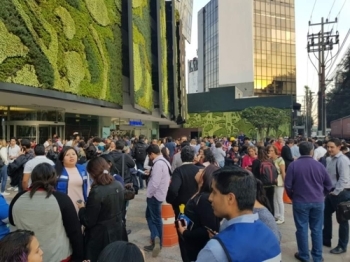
129	191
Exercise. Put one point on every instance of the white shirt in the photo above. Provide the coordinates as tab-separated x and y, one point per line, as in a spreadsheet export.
319	152
13	151
31	164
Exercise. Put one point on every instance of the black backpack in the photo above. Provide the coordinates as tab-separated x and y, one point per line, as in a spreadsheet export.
140	152
268	173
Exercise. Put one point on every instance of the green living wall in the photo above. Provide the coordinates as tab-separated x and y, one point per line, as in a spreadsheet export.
72	46
227	124
164	67
142	64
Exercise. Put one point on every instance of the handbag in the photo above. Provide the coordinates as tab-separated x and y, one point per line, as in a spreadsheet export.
129	191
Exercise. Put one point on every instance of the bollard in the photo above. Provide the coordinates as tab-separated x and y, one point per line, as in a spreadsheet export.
169	231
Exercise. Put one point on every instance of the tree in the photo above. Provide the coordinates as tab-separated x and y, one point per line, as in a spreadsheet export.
337	100
266	118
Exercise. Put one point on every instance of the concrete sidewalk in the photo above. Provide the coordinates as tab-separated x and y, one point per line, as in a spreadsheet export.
140	234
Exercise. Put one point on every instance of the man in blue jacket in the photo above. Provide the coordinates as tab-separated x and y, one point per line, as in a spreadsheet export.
245	237
4	213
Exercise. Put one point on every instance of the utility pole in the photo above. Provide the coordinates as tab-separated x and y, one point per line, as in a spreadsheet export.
319	43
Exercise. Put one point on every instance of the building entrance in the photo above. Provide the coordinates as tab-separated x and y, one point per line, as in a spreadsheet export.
38	130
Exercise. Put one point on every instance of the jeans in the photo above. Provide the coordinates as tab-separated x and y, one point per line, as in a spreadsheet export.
139	165
221	163
331	202
305	215
3	174
278	202
154	218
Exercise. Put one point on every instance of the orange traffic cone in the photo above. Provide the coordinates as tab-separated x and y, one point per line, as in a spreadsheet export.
286	199
169	231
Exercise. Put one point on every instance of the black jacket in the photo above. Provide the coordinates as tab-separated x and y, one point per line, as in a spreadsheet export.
140	146
183	186
287	156
118	163
15	169
102	218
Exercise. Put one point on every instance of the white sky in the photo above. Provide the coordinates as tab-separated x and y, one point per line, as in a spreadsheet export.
306	73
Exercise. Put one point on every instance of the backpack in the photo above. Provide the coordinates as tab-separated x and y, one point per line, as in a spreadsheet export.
140	152
268	173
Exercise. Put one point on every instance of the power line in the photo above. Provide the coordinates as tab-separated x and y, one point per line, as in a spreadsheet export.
341	8
331	9
313	10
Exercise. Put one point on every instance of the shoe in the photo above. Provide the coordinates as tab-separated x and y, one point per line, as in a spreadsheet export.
5	194
296	255
279	222
156	249
10	188
16	189
148	248
338	250
327	243
128	231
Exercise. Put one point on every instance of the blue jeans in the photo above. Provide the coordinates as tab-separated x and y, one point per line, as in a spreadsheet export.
3	174
222	163
305	215
154	218
139	165
331	202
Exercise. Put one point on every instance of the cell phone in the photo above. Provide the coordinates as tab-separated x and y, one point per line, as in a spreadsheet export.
141	171
80	201
210	230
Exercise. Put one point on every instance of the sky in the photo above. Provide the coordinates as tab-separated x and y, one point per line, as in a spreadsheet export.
306	73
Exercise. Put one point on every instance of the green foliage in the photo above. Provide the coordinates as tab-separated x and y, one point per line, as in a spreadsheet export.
66	45
231	123
164	66
74	3
143	90
337	99
16	25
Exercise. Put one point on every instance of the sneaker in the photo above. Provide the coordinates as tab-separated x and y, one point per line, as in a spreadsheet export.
5	194
279	222
148	248
156	249
16	189
10	188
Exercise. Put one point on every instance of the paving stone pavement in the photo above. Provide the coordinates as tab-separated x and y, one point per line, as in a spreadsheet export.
140	234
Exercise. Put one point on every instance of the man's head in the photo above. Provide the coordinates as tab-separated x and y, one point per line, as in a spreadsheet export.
96	141
153	151
25	144
187	154
246	140
203	145
183	139
183	144
76	137
119	145
141	138
233	192
13	141
39	150
319	143
290	142
154	142
306	149
333	146
280	140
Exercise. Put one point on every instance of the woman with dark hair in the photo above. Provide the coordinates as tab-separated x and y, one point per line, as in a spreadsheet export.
102	216
209	158
121	251
112	169
20	246
165	152
72	177
200	212
50	214
269	189
262	207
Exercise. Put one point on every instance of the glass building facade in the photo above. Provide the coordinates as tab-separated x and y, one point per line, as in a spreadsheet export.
185	9
211	47
274	48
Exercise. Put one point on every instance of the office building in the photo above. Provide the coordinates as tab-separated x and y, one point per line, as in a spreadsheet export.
66	66
247	44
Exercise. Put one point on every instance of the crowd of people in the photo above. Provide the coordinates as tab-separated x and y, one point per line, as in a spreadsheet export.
73	196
